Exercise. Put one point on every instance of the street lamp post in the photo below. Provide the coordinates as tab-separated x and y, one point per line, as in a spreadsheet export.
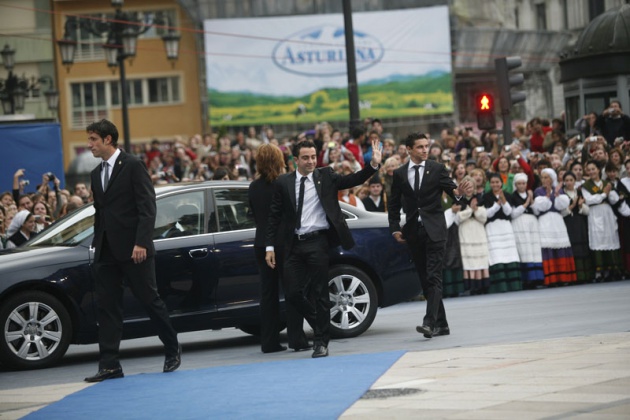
122	35
13	89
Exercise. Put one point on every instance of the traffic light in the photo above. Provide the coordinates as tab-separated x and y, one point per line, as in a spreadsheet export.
505	82
484	105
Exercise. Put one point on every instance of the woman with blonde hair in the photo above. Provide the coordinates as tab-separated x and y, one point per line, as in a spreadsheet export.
269	166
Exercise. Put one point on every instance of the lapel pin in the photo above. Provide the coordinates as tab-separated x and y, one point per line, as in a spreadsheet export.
427	172
119	162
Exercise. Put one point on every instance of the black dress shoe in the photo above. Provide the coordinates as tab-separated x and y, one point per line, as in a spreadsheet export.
320	351
437	331
274	349
425	330
171	363
104	374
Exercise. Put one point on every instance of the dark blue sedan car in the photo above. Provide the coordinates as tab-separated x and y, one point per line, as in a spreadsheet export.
206	274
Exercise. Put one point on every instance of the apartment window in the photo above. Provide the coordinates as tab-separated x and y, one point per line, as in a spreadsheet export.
134	93
91	100
541	16
89	103
595	8
163	90
89	47
565	14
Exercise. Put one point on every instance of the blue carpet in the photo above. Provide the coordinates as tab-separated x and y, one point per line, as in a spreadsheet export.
305	389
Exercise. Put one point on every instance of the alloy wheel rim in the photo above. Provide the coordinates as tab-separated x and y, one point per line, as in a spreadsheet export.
33	331
350	300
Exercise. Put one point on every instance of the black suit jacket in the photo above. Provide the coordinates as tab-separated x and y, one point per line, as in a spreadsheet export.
327	184
260	194
427	203
125	212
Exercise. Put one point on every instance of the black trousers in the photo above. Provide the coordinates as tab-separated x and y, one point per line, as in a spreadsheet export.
428	256
306	272
270	305
140	278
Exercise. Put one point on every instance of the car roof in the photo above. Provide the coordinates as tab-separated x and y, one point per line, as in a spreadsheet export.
183	186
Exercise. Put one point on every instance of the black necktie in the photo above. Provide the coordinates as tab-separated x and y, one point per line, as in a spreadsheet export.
298	223
106	175
416	181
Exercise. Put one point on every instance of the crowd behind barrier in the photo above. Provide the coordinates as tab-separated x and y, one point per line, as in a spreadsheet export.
551	208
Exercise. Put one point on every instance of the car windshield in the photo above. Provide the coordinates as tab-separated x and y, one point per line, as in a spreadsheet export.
68	231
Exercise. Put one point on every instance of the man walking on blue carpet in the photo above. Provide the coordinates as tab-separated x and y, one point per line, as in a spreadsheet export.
125	209
307	201
417	188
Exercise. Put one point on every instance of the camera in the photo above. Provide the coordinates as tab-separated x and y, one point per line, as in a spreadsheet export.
479	149
592	138
160	174
26	182
506	148
51	176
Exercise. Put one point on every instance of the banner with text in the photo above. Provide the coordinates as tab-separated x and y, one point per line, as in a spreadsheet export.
293	69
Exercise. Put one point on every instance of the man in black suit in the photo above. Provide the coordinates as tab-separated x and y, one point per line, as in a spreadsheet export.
124	219
307	201
417	188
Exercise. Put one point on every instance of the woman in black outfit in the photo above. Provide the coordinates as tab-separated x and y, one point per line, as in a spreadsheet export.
269	165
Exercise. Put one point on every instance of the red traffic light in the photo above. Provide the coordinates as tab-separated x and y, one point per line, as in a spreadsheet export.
485	103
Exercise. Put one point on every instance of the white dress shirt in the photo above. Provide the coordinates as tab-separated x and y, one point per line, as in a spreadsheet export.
313	214
110	167
411	176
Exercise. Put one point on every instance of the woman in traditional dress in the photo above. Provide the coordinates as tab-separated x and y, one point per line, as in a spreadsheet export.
558	262
576	220
525	225
472	239
603	233
505	271
452	276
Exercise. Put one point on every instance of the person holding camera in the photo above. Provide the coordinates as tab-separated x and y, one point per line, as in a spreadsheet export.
43	216
614	123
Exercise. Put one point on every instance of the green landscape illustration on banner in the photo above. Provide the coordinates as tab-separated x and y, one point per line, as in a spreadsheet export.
393	96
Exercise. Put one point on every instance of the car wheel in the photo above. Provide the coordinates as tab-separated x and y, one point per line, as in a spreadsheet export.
36	330
353	299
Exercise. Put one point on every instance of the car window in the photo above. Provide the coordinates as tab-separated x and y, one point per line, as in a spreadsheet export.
68	231
180	215
232	209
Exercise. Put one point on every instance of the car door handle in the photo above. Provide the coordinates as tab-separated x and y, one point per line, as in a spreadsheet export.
198	253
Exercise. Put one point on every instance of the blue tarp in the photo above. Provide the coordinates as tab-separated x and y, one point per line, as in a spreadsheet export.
36	148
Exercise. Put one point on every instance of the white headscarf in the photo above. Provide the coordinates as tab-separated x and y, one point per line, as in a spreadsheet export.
17	222
552	174
518	177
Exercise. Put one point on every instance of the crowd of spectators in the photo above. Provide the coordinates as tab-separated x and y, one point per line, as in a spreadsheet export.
551	208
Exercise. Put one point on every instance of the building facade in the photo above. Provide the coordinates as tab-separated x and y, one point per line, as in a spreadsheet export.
26	27
164	97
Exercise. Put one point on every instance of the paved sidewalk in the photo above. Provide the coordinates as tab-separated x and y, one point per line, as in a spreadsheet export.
577	378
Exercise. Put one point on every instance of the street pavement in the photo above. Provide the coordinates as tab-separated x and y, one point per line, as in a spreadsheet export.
578	368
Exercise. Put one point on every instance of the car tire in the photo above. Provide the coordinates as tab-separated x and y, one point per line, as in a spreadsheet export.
27	342
353	299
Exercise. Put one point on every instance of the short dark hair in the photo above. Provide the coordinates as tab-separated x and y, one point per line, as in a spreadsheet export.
614	101
576	163
412	137
302	145
357	132
497	176
597	165
104	128
569	173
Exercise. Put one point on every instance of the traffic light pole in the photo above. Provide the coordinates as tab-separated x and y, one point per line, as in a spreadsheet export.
507	128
